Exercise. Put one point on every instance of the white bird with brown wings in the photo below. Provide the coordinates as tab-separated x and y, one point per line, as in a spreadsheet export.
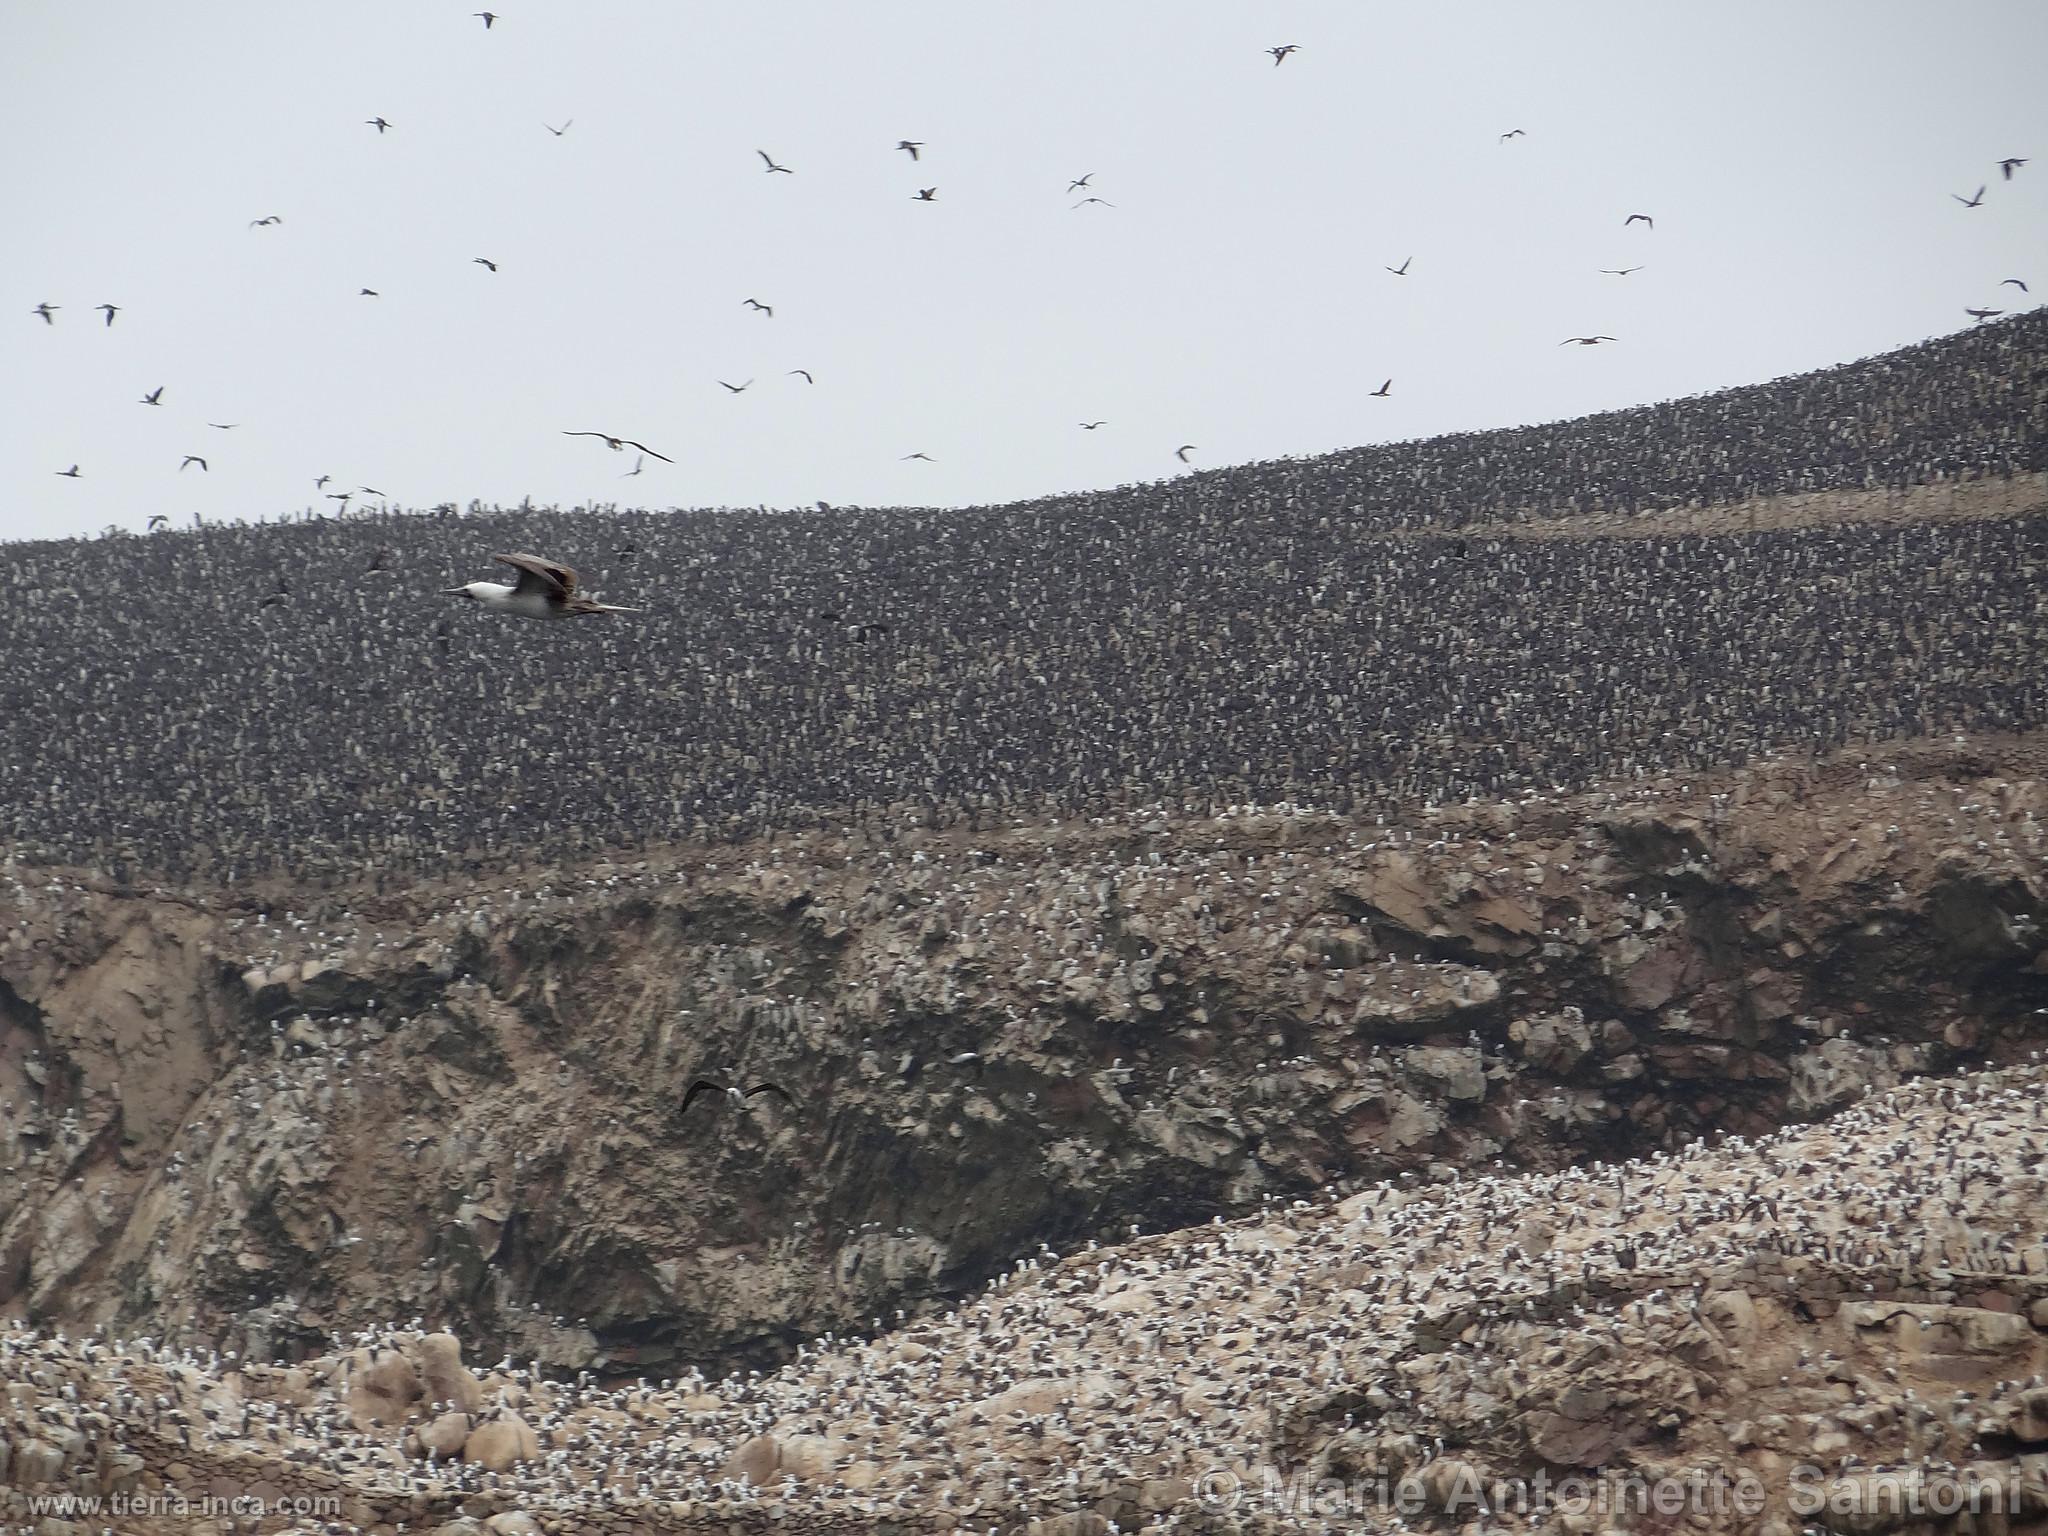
545	590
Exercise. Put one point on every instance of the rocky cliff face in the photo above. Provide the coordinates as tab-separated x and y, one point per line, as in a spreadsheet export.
224	1119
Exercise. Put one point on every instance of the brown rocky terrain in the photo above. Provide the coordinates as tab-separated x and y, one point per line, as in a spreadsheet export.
224	1121
1841	1327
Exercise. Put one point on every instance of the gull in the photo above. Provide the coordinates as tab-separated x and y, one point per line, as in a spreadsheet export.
1087	200
158	520
1620	271
322	481
639	464
910	146
772	166
558	132
488	18
1383	391
193	458
377	123
1643	217
1982	314
925	456
2013	282
925	195
483	261
1969	202
739	1099
368	293
620	444
1080	183
1401	270
1280	53
2007	166
1090	426
223	426
735	388
1585	341
344	497
69	474
1513	133
110	310
270	219
804	372
766	309
544	590
369	490
154	397
47	311
1183	451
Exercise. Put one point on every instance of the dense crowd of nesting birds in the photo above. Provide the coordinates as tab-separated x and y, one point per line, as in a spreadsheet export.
1157	1378
300	695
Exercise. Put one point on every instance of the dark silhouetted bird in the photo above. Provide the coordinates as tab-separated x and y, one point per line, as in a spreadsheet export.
1090	426
772	166
1512	133
2006	167
558	132
1384	390
48	312
269	219
925	195
802	373
925	456
1969	202
910	146
110	311
1585	341
1641	218
488	18
368	293
1620	271
193	458
2013	282
154	397
69	474
1087	200
766	309
484	261
1080	183
377	123
621	444
1983	314
735	388
1280	53
1184	450
1401	270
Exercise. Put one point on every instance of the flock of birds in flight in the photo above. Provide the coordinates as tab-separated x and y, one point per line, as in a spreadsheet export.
914	148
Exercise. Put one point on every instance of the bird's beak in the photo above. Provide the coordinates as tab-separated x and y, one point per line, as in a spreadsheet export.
455	592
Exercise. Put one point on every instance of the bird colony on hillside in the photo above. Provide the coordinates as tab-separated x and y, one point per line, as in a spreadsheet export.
1339	631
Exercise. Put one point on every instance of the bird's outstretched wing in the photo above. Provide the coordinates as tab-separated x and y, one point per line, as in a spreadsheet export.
776	1088
701	1085
647	450
545	577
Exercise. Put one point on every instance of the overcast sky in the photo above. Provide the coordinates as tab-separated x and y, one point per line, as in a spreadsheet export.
1799	160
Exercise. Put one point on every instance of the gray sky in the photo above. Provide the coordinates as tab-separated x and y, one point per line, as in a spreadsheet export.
1799	159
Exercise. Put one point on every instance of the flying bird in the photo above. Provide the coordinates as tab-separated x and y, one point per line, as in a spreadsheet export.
1983	314
369	490
772	166
1080	183
1644	218
738	1098
910	146
483	261
317	484
1513	133
2008	165
639	464
1087	200
766	309
193	458
2013	282
621	444
1585	341
69	474
1401	270
1620	271
1090	426
735	388
110	310
545	590
48	312
154	397
377	123
270	219
344	497
1969	202
488	18
223	426
925	456
1383	391
925	195
158	520
804	373
558	132
1183	451
1280	53
368	293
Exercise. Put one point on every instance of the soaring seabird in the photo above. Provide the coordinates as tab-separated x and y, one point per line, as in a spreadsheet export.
1513	133
558	132
621	444
259	223
804	371
1383	391
925	195
910	146
1585	341
69	474
1280	53
1643	218
1619	271
1401	270
1983	314
1183	451
772	166
545	590
1969	202
110	311
193	458
377	123
488	18
48	312
766	309
1090	426
2013	282
733	1092
154	397
2008	165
